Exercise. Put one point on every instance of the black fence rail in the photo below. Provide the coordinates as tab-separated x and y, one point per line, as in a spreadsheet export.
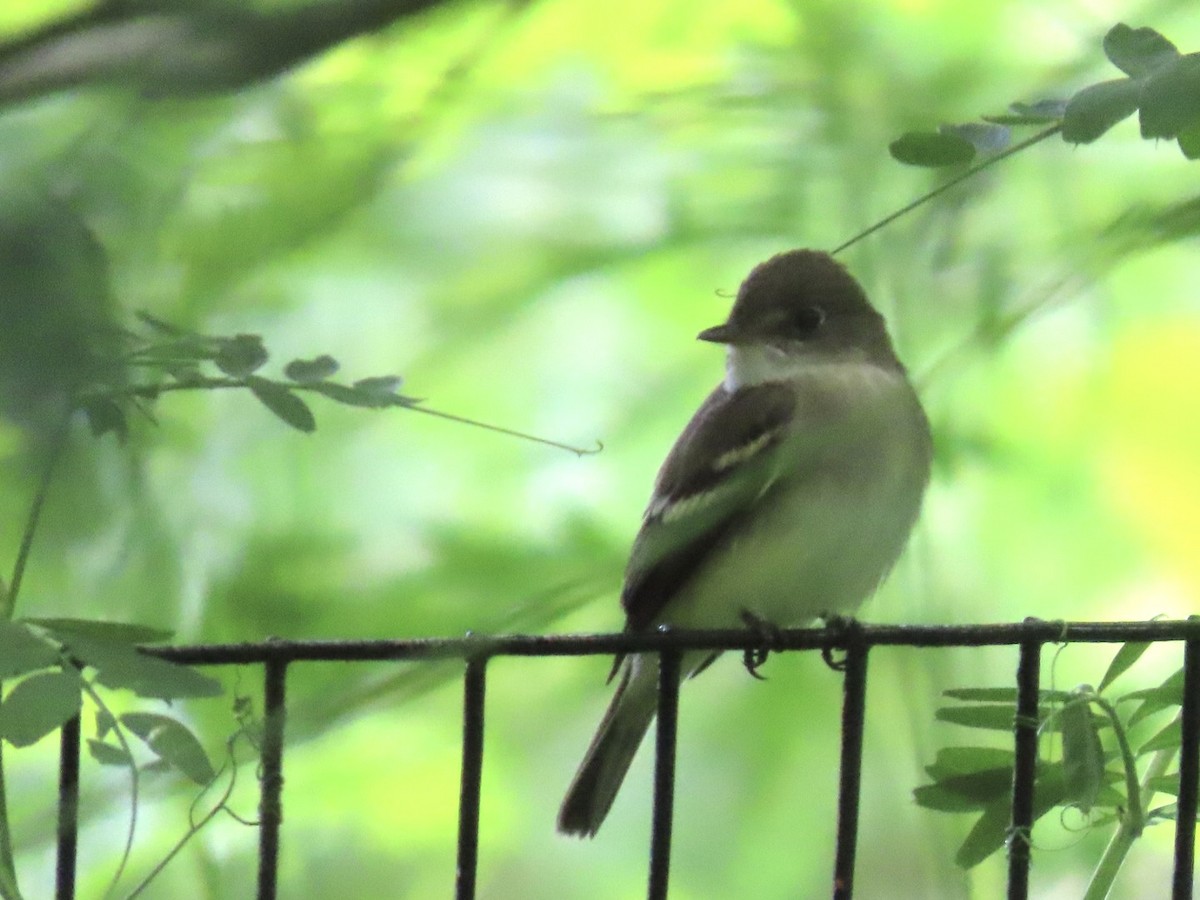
852	639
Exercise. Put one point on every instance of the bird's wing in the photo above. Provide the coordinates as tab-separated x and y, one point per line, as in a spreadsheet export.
721	464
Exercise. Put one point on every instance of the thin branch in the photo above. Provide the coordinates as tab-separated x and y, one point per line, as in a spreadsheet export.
941	189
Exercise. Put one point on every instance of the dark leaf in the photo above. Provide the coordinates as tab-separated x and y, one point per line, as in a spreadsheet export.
120	665
1138	51
159	325
307	370
996	717
1124	658
108	754
23	651
38	705
104	415
983	136
104	723
1099	107
173	743
1082	755
107	631
991	831
281	401
1042	112
966	793
1003	695
931	149
1170	100
382	386
1189	141
241	355
952	761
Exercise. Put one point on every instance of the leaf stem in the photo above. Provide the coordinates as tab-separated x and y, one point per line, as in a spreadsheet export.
1128	831
942	188
151	391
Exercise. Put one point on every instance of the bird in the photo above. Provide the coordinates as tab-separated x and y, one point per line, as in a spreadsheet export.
788	496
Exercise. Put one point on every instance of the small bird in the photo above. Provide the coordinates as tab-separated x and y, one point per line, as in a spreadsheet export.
788	496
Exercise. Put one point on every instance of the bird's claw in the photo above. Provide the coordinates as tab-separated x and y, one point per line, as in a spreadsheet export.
754	658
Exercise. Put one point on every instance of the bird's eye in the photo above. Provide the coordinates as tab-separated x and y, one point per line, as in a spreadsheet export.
806	320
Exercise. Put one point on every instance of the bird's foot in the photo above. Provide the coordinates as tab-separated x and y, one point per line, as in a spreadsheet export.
838	627
769	638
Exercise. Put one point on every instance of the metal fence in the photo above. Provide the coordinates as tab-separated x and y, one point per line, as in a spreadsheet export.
850	638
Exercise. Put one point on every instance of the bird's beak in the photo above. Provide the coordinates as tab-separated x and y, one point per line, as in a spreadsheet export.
719	334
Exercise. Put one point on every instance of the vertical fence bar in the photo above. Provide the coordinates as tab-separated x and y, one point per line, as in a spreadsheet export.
68	809
1189	773
270	811
1025	732
664	773
854	709
474	691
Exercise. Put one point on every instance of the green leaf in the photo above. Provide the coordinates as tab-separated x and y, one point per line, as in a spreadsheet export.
382	386
1097	108
104	415
1129	654
107	631
173	743
1170	100
1138	51
159	325
1167	738
1155	700
108	754
1189	141
995	717
985	137
931	149
1082	755
1003	695
991	830
952	761
1042	112
966	793
38	705
241	355
120	665
281	401
23	651
352	396
308	370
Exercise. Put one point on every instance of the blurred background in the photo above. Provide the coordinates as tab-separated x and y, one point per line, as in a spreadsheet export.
528	210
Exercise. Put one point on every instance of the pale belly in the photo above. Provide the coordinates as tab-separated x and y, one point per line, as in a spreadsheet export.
822	548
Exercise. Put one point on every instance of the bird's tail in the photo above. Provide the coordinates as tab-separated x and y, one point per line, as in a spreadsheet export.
626	722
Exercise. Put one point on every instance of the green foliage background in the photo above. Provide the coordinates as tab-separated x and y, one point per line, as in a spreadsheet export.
528	210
